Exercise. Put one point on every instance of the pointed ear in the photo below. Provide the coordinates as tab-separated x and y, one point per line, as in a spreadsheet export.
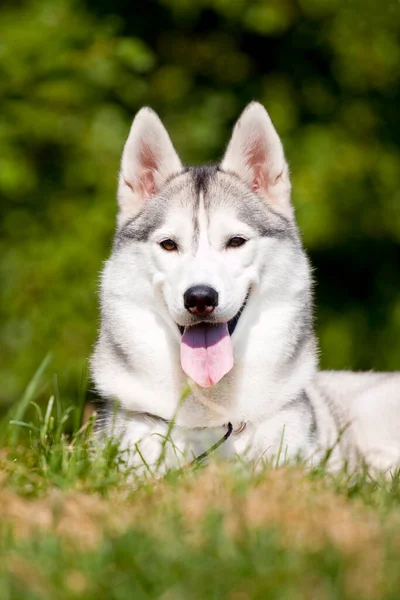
148	159
255	154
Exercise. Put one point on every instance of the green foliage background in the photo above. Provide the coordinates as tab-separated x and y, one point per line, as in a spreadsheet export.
72	75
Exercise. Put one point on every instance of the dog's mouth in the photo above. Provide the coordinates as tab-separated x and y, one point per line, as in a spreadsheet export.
231	324
206	349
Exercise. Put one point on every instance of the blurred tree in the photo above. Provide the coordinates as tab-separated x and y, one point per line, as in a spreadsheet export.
73	73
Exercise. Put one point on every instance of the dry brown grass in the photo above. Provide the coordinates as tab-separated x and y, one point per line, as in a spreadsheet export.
307	514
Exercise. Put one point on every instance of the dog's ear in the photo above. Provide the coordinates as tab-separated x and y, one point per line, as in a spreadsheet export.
148	159
255	154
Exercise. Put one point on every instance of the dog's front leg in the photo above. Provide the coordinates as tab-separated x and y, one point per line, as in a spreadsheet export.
146	445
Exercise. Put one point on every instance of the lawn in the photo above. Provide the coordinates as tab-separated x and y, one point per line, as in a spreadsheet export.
75	526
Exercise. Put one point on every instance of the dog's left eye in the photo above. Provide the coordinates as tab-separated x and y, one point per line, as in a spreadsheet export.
236	241
169	245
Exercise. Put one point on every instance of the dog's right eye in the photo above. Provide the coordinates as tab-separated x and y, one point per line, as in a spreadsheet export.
236	242
169	245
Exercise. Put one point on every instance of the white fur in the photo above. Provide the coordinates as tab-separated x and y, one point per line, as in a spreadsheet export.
137	356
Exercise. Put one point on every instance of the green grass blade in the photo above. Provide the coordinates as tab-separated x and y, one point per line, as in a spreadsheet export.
81	399
47	416
16	413
27	425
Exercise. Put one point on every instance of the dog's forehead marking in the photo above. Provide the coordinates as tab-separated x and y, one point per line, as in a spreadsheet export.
200	180
202	176
201	242
201	191
202	223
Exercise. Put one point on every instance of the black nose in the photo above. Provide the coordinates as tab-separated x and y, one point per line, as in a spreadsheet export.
200	300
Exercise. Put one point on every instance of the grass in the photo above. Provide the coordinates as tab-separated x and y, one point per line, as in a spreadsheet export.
75	526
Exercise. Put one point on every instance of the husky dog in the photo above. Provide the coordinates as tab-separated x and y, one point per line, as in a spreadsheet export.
208	286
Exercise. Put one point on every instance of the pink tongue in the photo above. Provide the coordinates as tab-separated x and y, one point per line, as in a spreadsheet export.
206	353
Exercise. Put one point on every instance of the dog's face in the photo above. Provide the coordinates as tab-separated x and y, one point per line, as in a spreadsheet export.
206	231
204	237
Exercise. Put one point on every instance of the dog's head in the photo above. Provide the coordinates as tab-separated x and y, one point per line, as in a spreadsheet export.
205	240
